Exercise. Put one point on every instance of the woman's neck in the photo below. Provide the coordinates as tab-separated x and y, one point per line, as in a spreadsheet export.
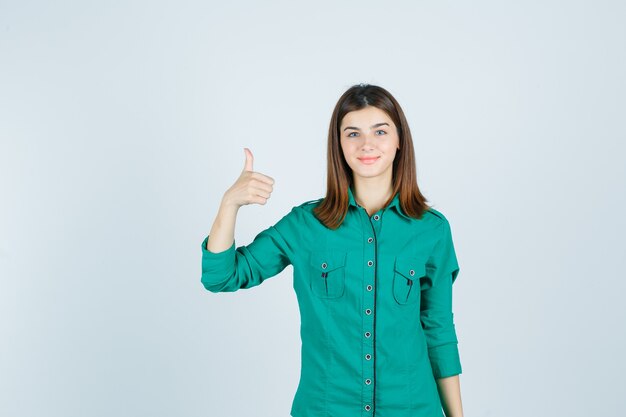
372	195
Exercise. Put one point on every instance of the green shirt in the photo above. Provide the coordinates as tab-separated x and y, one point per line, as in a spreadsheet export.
375	301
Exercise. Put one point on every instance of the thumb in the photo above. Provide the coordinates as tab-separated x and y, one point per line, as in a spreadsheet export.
249	160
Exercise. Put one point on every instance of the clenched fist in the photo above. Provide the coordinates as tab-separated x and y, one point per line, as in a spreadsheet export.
250	187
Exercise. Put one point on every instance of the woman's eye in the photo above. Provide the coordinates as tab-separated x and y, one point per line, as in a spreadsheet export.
382	131
350	134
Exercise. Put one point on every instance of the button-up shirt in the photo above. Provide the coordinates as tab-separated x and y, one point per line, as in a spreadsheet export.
375	301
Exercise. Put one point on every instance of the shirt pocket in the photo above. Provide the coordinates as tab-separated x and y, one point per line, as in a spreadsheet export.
408	273
328	273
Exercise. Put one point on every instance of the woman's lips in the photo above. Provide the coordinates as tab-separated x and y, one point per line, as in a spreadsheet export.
368	161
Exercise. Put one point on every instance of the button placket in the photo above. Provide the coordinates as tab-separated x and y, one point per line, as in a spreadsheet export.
369	311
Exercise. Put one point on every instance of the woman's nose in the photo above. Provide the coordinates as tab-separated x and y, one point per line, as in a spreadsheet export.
368	142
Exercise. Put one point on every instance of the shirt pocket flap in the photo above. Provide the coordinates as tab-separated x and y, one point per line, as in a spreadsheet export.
326	261
409	267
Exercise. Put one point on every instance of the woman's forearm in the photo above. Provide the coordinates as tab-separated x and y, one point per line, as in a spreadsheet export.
222	232
450	394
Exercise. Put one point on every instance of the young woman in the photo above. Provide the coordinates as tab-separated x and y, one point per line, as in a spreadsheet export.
373	271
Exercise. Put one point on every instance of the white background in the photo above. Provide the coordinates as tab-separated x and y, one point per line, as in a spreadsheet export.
123	123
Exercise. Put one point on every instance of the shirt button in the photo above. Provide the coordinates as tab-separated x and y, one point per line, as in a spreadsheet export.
324	265
370	239
412	272
369	288
367	334
367	407
376	217
368	356
368	311
368	381
370	263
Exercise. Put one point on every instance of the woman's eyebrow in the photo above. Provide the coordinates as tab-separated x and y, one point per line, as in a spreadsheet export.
371	127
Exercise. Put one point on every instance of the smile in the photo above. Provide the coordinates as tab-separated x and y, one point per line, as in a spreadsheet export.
368	161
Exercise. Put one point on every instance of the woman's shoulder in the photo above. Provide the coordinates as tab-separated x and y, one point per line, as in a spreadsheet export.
298	211
436	219
436	213
310	204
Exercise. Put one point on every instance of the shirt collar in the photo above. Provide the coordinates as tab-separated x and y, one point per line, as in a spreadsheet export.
394	203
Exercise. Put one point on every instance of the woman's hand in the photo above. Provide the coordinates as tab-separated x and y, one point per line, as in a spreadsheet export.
250	187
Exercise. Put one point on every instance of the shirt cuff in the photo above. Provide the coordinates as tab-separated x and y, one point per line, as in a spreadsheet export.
217	267
445	360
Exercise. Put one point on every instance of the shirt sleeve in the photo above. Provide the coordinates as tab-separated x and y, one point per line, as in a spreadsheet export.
436	313
235	268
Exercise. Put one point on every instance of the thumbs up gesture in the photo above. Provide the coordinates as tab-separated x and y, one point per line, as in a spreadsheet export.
250	187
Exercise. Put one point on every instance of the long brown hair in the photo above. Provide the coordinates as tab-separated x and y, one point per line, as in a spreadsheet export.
334	207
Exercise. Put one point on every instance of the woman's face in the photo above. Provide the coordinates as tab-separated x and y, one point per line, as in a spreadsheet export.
369	140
